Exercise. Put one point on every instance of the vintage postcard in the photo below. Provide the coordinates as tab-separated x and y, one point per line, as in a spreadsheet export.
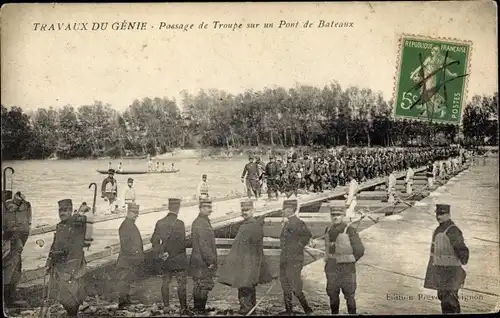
219	159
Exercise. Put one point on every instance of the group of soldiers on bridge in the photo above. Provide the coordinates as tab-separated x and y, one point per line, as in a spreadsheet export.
245	266
322	171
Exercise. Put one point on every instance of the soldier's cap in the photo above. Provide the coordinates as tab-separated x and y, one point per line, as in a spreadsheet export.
337	212
246	206
111	171
250	156
130	180
205	202
174	205
65	204
292	204
442	209
6	195
271	157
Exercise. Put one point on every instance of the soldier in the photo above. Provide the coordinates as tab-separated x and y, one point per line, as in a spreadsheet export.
21	209
130	193
246	255
202	190
168	240
308	171
251	171
66	261
16	224
130	258
409	179
294	237
351	197
109	190
430	173
448	253
272	174
203	263
391	187
343	249
293	170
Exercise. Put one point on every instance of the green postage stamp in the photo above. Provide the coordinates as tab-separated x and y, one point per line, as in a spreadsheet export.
431	82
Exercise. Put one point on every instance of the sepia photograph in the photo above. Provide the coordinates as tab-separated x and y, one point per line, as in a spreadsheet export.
250	159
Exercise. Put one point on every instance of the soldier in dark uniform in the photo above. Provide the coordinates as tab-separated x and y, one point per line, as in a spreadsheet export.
16	224
308	171
343	249
66	261
293	170
251	171
247	256
272	174
294	237
169	246
448	253
203	263
130	258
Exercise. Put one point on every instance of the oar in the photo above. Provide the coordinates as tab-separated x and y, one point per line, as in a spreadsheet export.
5	177
95	195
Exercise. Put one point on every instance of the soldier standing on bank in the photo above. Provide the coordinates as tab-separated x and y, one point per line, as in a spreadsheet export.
66	261
169	246
294	237
343	249
448	253
203	263
245	266
130	258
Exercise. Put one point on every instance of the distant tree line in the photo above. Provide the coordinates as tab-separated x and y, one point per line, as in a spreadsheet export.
275	117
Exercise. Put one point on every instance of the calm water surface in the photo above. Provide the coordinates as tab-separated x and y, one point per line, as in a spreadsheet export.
45	182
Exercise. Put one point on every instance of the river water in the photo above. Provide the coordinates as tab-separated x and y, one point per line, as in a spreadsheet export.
45	182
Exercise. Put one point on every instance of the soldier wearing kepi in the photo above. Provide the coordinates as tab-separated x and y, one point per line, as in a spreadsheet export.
129	193
169	246
294	237
202	190
203	263
343	249
272	174
448	253
66	261
12	247
251	171
430	174
131	256
246	255
109	190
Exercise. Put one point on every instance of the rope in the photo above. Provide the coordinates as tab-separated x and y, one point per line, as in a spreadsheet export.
263	297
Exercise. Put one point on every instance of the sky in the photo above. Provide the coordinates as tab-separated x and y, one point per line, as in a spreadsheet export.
76	67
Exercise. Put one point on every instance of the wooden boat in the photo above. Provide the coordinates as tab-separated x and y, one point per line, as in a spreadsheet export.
134	157
139	172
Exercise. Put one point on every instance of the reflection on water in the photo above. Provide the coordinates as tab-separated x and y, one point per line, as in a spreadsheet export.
46	182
